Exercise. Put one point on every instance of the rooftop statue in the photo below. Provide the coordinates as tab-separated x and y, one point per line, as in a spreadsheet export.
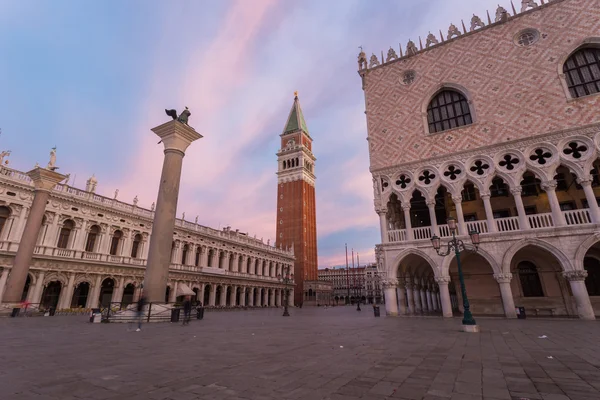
52	163
183	117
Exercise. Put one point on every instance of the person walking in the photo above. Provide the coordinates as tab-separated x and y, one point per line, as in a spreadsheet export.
140	312
187	310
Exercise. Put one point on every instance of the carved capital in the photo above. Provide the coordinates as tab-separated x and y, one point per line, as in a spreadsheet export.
516	191
457	199
442	280
577	275
430	203
389	283
406	206
381	210
549	186
503	278
585	181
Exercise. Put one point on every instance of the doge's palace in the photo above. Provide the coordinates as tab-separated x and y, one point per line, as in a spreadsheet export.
92	251
494	123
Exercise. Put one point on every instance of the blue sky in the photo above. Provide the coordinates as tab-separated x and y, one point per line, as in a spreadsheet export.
93	78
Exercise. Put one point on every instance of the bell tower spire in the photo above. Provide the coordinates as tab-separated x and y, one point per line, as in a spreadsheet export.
296	209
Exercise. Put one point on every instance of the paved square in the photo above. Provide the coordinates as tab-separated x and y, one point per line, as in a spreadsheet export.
320	353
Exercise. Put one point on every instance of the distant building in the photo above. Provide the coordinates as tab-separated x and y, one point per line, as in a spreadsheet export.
352	283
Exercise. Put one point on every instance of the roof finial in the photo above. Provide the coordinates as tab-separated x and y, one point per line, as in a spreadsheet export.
296	94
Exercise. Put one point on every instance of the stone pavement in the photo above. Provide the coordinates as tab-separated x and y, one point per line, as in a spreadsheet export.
335	353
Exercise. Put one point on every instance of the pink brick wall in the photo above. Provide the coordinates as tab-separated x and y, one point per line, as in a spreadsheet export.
516	91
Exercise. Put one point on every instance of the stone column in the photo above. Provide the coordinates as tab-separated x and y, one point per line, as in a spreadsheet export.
434	297
15	234
201	293
432	217
407	223
95	299
582	299
410	298
66	293
81	236
443	282
424	305
557	216
280	298
489	213
172	293
272	300
39	288
223	300
44	181
523	221
214	262
591	199
265	300
383	225
291	298
52	231
212	294
176	138
391	301
417	298
460	218
506	292
429	300
117	295
401	298
3	279
251	297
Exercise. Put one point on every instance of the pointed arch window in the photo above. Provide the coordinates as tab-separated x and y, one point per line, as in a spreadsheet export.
582	72
530	280
447	110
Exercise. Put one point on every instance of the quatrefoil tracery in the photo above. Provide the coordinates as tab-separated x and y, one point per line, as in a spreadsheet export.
509	162
575	150
384	183
403	181
427	177
452	172
540	155
479	167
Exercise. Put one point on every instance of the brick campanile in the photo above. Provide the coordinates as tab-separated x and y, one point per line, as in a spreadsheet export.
296	210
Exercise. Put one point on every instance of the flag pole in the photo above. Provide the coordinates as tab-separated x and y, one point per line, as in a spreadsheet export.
347	273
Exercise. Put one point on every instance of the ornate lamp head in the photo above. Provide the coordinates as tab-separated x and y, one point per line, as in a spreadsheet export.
452	223
475	238
436	242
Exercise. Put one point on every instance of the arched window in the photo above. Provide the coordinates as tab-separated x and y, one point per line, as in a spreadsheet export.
530	280
4	214
90	244
592	282
448	109
184	254
582	72
135	246
65	234
114	242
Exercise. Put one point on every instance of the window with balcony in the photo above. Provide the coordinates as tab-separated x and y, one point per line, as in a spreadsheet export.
592	281
65	234
4	215
92	238
135	246
498	188
530	280
114	242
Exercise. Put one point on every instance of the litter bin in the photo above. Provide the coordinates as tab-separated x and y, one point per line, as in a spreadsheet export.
52	311
96	316
520	312
200	312
175	314
15	312
376	311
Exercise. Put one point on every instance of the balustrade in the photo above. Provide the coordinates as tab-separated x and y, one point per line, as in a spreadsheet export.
507	224
398	235
423	232
578	217
479	226
537	221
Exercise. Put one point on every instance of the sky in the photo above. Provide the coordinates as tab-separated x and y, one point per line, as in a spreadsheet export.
92	79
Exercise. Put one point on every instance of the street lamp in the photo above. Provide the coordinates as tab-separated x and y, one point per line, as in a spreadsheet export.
457	246
286	279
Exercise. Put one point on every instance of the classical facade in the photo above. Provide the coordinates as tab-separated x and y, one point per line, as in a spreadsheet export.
498	127
296	209
349	284
92	251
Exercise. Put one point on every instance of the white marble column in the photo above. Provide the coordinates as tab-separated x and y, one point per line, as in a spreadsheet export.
3	279
39	288
391	301
212	296
265	299
280	298
383	225
591	199
66	293
523	221
204	256
125	250
52	232
250	297
432	217
424	305
443	282
407	223
244	264
272	300
434	297
557	216
489	213
410	297
582	299
506	292
417	298
117	295
173	292
429	300
15	234
401	298
460	218
95	299
81	236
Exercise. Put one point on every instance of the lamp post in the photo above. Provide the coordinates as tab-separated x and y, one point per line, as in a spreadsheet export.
457	246
286	278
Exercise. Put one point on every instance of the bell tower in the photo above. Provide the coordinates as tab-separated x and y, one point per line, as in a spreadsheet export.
296	210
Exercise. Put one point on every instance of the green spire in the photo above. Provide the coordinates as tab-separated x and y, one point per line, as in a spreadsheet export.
295	120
